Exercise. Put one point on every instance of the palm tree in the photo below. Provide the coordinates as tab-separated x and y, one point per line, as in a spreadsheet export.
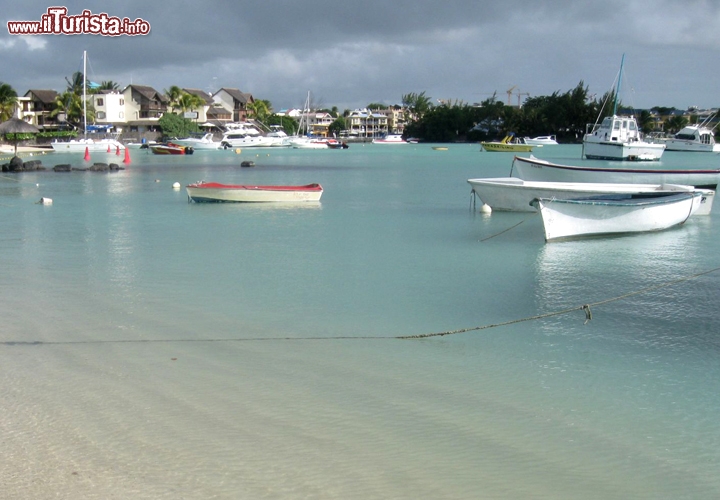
187	102
75	84
260	109
417	104
174	94
109	85
8	101
72	105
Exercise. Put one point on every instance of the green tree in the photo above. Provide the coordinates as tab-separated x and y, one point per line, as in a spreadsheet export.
8	101
416	104
75	83
174	125
675	123
109	85
174	93
260	110
71	104
288	124
646	121
337	126
188	102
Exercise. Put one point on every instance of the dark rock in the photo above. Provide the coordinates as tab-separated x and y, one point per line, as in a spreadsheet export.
99	167
32	165
15	165
64	167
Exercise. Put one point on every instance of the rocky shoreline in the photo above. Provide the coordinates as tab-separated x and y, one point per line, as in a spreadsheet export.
16	164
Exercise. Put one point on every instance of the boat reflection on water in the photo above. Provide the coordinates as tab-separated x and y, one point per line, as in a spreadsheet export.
570	274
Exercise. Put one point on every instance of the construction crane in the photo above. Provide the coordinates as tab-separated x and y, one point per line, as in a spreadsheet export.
510	93
520	94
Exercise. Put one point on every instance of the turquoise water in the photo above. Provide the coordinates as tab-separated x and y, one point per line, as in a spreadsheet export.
154	348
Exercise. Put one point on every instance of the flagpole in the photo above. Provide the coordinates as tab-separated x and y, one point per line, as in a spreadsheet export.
85	94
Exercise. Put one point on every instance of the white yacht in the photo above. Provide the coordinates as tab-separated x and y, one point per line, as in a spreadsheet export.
693	138
204	142
618	137
237	139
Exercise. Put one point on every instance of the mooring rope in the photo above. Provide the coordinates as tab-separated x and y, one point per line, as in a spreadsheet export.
586	308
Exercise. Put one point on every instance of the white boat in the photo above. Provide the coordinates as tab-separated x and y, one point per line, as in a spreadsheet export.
216	192
279	138
696	138
92	146
308	143
204	142
618	137
615	214
241	139
101	145
534	169
390	139
541	140
513	194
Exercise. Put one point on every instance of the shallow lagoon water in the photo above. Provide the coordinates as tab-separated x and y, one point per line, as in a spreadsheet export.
155	348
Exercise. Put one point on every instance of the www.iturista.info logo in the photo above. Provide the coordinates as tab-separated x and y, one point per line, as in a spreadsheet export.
57	22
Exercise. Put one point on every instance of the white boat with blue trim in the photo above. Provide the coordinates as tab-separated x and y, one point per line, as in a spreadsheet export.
515	195
534	169
615	214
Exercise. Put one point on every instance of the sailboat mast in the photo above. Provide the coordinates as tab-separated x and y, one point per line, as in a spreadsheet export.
617	90
85	93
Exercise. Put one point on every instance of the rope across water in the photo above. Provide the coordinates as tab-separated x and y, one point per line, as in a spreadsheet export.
586	308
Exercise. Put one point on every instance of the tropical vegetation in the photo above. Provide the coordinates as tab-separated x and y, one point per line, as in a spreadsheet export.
174	125
8	101
562	114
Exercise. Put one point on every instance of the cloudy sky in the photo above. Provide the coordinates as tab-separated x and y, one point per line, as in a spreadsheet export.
350	53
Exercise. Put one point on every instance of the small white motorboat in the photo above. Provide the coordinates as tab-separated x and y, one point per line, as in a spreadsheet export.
542	140
513	194
390	139
204	142
615	214
216	192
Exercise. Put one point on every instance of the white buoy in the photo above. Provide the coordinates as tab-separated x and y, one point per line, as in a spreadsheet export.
45	201
176	185
486	209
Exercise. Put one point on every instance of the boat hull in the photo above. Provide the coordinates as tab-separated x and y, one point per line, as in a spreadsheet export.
214	192
198	144
691	146
515	195
623	151
390	139
506	148
533	169
92	146
171	149
564	219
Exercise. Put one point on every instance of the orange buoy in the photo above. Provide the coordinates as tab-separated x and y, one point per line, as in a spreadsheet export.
87	154
127	155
